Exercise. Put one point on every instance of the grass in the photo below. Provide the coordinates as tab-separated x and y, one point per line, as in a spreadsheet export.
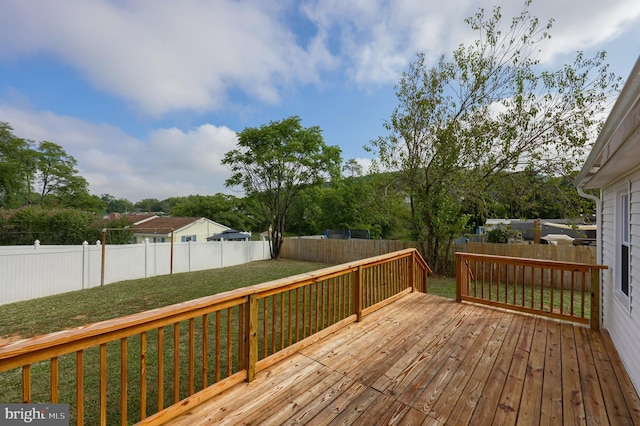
441	285
48	314
527	296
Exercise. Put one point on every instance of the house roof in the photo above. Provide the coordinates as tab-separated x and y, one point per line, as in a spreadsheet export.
136	218
612	155
164	225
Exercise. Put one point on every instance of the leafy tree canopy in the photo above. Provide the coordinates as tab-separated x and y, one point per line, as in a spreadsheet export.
274	162
58	226
485	110
237	213
40	174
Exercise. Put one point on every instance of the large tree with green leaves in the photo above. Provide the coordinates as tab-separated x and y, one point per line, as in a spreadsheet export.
56	172
488	109
17	168
274	162
40	174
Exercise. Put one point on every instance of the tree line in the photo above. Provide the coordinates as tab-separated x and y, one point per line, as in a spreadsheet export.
376	202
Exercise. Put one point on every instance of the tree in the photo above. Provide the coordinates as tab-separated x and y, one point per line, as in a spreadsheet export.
226	209
56	172
113	205
274	162
17	167
489	109
58	226
41	173
526	194
151	205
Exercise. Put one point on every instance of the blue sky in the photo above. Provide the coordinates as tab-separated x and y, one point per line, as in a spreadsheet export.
148	96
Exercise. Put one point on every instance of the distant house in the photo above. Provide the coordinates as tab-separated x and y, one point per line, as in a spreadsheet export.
547	227
613	168
159	229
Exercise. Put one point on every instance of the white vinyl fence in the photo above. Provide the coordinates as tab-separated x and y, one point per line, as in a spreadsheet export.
29	272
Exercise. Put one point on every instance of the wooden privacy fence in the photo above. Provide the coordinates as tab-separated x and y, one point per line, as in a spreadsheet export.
156	365
561	253
339	251
563	290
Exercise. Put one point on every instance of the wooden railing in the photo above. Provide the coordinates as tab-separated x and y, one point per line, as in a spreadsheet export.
563	290
155	365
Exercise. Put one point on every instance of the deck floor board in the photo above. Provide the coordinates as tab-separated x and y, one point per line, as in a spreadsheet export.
428	360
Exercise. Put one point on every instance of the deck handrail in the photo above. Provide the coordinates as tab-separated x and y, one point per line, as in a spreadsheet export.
237	334
564	290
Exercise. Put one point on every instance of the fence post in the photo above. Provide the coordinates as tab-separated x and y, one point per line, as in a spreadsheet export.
251	351
147	262
85	264
357	294
103	244
595	299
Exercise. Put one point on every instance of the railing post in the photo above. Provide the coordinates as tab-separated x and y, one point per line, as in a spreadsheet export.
459	276
251	350
425	280
412	272
357	294
595	299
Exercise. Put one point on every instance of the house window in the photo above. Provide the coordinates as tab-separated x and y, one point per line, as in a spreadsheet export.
623	252
187	238
158	239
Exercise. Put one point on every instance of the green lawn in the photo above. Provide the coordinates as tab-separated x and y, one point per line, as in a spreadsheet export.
442	286
54	313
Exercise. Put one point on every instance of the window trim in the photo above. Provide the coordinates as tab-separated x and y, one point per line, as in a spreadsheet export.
623	244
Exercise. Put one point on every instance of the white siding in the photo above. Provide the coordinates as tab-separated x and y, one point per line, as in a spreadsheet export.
622	324
608	255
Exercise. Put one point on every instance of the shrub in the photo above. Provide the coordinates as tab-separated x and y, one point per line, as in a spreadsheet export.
501	234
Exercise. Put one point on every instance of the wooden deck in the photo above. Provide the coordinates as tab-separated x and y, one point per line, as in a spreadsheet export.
430	360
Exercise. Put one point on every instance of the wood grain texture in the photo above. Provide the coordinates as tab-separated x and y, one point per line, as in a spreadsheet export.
430	360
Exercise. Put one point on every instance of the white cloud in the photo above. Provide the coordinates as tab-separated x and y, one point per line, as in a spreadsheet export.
165	55
379	38
170	162
583	25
